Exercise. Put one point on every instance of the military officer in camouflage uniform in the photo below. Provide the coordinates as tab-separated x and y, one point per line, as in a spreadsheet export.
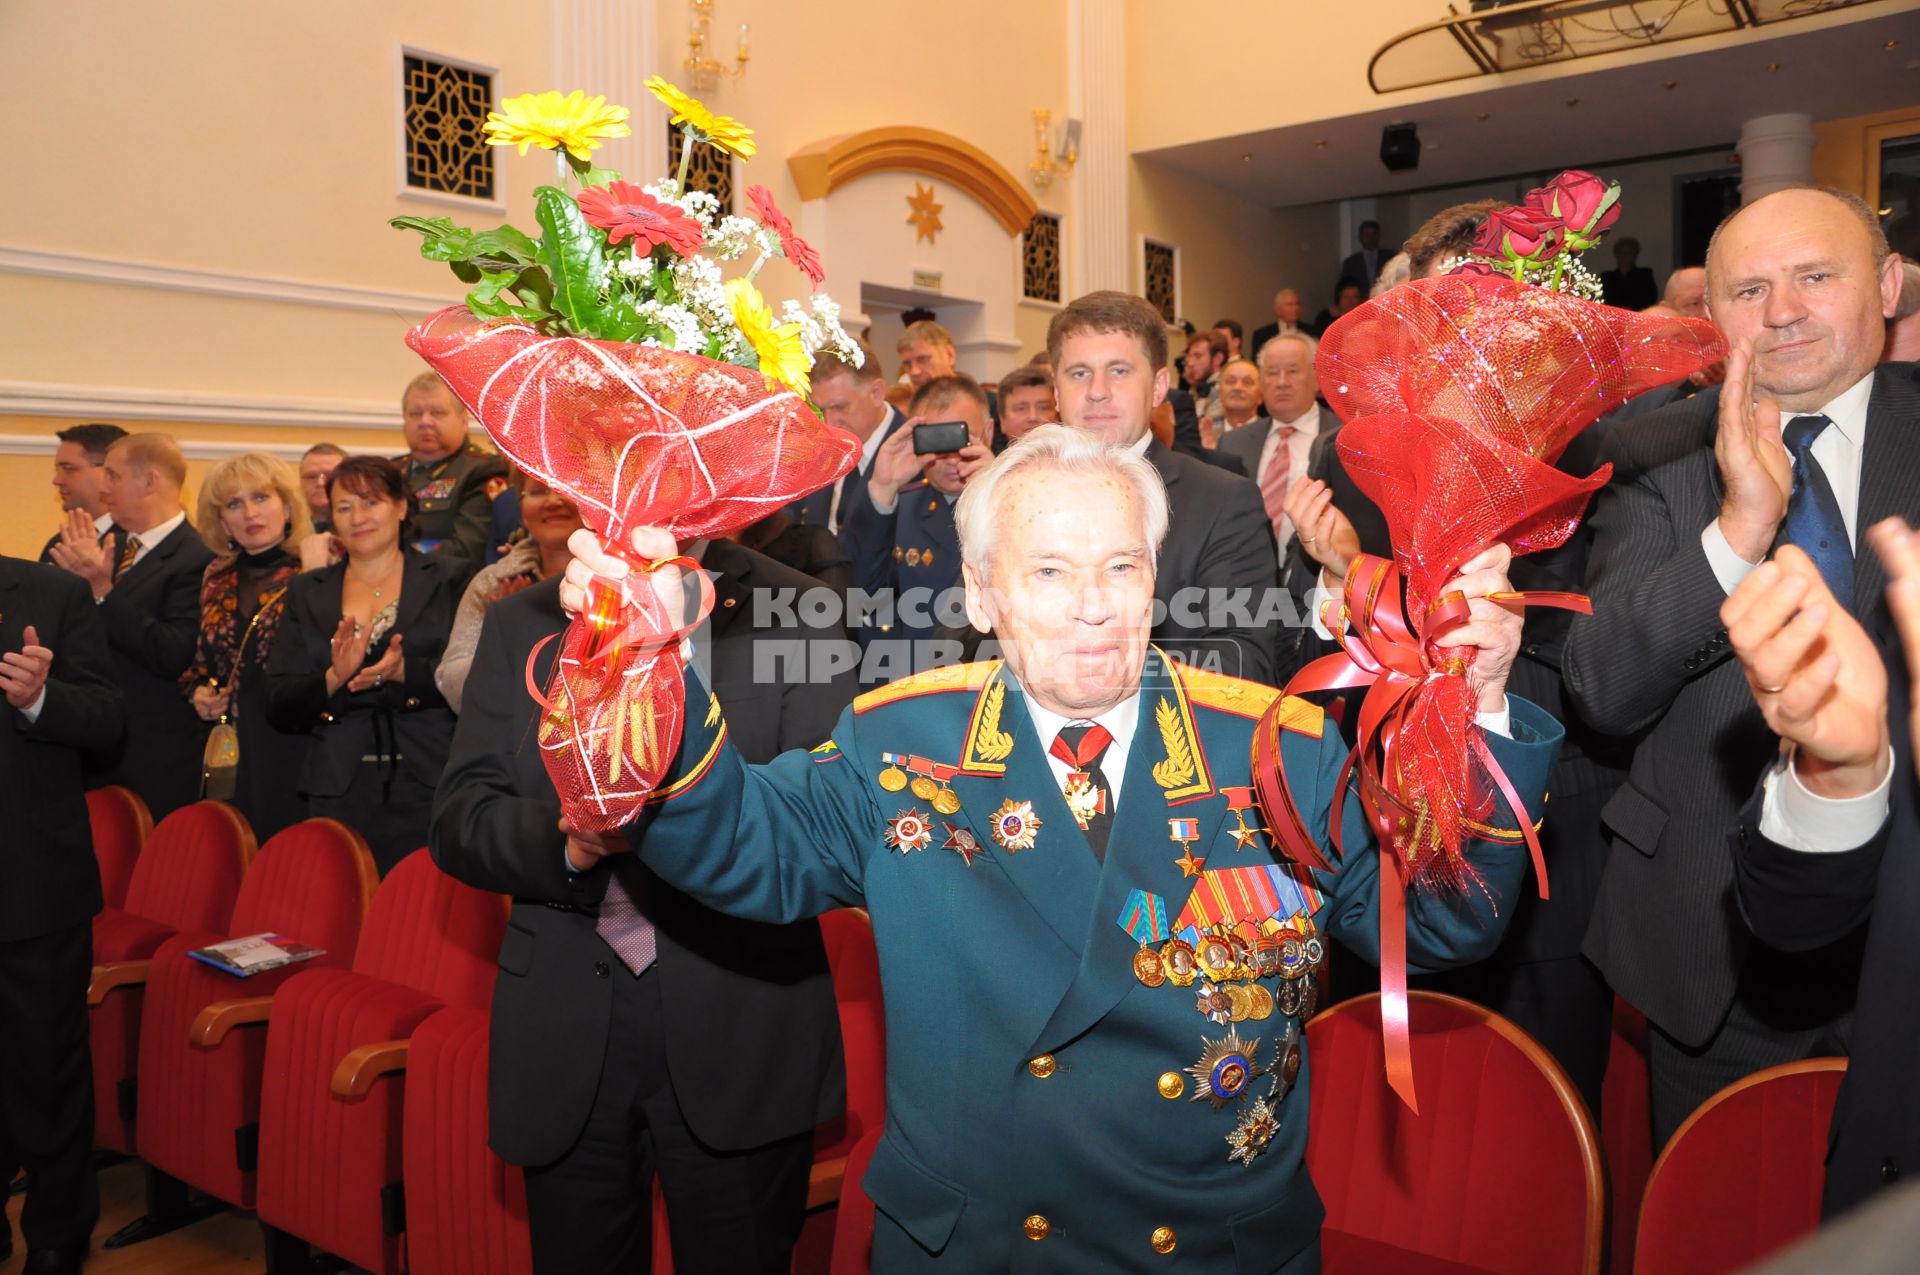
453	481
1093	958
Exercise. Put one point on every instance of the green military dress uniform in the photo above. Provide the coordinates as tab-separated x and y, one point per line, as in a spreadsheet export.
1047	1108
454	499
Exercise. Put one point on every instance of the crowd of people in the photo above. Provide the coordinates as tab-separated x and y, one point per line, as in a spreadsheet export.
350	637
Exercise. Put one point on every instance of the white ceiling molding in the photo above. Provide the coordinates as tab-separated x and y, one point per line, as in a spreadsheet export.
191	448
122	403
215	283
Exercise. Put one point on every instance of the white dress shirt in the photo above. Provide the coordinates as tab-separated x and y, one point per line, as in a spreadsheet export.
1838	450
1119	720
1306	428
155	534
1793	817
869	448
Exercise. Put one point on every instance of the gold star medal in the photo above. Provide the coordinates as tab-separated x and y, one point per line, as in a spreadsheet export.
1186	832
1254	1134
1015	825
893	779
908	831
1240	800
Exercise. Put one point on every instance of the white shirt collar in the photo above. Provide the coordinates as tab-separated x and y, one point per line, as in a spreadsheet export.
1139	445
871	447
1847	410
1119	721
155	534
103	523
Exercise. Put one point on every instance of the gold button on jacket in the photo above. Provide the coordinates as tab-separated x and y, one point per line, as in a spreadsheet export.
1041	1067
1037	1227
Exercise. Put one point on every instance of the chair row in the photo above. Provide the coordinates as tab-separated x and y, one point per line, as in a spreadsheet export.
292	1096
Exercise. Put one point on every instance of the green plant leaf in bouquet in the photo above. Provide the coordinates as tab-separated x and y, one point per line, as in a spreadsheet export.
504	244
574	261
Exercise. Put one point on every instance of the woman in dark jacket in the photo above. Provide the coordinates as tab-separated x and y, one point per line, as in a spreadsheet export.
355	660
251	514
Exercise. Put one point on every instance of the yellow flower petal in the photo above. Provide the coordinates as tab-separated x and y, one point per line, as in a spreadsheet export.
724	131
777	345
550	121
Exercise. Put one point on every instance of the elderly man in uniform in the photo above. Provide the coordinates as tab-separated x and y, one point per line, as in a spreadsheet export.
1093	962
452	481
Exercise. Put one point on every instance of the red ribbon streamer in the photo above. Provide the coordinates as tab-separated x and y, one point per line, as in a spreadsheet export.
1404	674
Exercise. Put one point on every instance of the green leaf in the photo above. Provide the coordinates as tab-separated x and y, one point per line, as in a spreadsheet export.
506	243
533	287
574	258
465	271
599	177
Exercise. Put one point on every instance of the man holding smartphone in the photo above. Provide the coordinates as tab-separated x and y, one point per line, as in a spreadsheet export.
901	534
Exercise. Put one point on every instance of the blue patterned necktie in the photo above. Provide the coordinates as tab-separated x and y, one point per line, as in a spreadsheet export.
1813	515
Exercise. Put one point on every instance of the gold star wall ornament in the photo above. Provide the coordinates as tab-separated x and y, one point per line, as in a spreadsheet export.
925	217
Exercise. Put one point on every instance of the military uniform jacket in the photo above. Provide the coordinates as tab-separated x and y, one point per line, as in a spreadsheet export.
913	553
1039	1112
455	499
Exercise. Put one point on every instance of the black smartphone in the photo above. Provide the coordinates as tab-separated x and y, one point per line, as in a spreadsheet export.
940	436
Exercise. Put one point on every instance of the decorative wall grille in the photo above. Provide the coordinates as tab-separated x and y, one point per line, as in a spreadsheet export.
443	108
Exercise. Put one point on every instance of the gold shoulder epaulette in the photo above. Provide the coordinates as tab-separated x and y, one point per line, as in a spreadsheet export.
1228	694
951	677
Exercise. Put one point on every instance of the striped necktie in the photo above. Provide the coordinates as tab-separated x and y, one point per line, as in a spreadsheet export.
128	552
1274	478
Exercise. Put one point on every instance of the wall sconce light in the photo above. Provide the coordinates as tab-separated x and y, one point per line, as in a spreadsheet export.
703	70
1053	153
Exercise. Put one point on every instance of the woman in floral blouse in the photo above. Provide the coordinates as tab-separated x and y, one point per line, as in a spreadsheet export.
252	515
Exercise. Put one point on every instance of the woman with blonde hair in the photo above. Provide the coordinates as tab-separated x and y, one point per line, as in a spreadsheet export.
252	515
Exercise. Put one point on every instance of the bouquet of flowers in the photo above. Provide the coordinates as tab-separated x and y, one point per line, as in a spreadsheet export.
1457	395
612	358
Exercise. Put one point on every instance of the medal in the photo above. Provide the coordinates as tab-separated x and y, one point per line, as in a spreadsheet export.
1287	1000
962	842
1239	1003
924	788
1254	1133
1176	957
1015	825
1286	1065
1147	967
1084	801
907	831
1213	1002
946	802
1240	800
1144	918
893	779
1225	1069
1261	1007
1186	832
1214	955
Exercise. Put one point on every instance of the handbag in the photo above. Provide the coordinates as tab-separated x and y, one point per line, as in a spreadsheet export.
220	760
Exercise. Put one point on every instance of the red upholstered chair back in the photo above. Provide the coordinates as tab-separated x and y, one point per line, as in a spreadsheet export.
1743	1176
121	823
312	882
1626	1129
1499	1171
429	932
848	936
189	870
853	1225
466	1207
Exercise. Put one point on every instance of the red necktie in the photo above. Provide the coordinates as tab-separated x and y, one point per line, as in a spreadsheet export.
1080	745
1274	479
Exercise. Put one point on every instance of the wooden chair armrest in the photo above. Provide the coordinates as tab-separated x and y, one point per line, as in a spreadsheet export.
211	1025
115	974
360	1068
825	1180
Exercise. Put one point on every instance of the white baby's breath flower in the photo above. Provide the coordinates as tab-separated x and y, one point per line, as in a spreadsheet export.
634	267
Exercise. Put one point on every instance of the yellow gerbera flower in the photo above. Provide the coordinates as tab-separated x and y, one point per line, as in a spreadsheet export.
550	121
782	357
724	131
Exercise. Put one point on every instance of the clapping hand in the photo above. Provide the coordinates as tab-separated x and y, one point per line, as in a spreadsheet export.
1754	466
80	551
1899	550
1814	672
392	665
23	673
1325	533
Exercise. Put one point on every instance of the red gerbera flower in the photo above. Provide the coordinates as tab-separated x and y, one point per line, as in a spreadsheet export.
626	212
804	258
762	200
796	249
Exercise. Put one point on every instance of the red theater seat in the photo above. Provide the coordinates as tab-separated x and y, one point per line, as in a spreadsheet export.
466	1207
121	824
853	1221
1742	1177
1499	1173
200	1076
1626	1130
330	1105
185	880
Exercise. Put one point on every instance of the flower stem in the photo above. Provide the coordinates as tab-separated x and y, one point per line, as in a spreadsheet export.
560	162
686	157
756	265
1558	265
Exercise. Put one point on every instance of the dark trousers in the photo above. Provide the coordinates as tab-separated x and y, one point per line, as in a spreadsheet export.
1787	1007
46	1083
730	1212
387	806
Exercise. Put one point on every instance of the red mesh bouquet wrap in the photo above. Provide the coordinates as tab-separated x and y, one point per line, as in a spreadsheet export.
1457	395
635	436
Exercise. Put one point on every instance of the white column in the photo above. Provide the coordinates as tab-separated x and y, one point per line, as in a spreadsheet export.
1099	248
1776	151
610	47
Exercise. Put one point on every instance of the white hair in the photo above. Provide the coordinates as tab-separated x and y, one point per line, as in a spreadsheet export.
1069	452
1398	270
1312	346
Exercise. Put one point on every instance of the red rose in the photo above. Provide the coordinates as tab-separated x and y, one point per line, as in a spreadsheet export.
1520	234
1587	205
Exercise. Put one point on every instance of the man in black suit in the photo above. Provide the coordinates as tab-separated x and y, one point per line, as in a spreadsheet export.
1109	355
1288	316
149	597
1363	267
1629	285
80	476
713	1063
60	700
1804	443
854	399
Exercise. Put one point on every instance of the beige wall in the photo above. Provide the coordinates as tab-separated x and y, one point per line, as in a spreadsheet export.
1846	147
